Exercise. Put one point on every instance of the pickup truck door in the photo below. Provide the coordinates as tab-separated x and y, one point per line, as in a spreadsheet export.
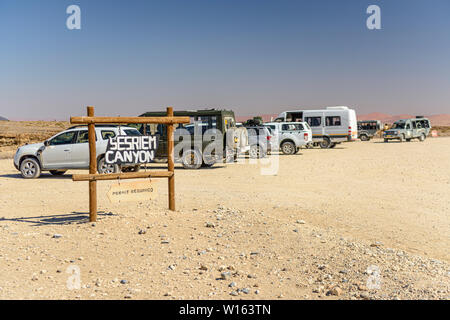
56	155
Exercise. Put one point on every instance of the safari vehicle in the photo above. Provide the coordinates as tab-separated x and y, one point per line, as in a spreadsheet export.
290	136
408	129
367	129
69	149
329	126
194	142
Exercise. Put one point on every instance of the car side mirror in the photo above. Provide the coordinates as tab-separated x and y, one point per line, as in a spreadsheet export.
46	143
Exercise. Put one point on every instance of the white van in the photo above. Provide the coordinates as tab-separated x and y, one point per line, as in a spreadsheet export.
329	126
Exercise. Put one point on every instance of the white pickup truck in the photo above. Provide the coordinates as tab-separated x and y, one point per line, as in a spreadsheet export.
290	136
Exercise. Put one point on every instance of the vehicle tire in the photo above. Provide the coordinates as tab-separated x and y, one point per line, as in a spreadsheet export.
105	168
386	140
30	168
408	140
288	148
422	137
191	159
325	143
335	144
57	172
364	137
402	138
256	152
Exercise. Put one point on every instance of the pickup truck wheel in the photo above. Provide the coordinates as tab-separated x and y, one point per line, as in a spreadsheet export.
103	167
364	137
288	147
57	172
402	138
30	169
325	143
191	159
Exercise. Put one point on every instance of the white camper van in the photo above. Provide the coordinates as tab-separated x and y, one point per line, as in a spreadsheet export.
329	126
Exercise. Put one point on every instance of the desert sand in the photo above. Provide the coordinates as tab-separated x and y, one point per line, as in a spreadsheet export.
328	225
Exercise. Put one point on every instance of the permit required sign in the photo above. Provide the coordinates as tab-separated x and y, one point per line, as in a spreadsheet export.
131	149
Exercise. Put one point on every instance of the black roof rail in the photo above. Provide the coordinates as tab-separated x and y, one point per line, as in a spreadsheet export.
97	126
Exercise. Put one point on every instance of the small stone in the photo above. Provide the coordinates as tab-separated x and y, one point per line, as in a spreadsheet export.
210	225
124	281
336	291
57	236
300	222
233	284
246	290
233	293
225	275
43	272
142	231
203	267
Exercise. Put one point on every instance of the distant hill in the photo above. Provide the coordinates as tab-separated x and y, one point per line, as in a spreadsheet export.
3	119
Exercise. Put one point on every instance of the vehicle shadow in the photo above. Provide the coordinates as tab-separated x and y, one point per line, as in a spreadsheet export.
58	219
42	176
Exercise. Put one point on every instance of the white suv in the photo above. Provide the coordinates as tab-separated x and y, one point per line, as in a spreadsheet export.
290	136
69	149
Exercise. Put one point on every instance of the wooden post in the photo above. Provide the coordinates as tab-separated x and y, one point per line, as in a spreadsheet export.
170	161
92	168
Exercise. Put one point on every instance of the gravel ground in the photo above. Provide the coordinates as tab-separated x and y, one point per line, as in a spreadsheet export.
362	221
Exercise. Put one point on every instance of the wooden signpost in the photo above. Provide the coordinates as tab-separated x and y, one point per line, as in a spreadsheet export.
93	176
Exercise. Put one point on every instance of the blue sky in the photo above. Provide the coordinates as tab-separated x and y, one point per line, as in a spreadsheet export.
252	56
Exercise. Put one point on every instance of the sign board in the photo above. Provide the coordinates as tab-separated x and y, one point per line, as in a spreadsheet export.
131	149
131	191
434	133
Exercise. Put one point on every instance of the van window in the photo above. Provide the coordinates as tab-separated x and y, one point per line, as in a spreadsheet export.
334	121
314	121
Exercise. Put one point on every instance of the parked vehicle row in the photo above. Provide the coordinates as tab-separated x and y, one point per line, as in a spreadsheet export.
288	133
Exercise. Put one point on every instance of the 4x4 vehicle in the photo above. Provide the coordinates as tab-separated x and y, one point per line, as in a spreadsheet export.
259	140
211	136
290	136
408	129
367	129
69	149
